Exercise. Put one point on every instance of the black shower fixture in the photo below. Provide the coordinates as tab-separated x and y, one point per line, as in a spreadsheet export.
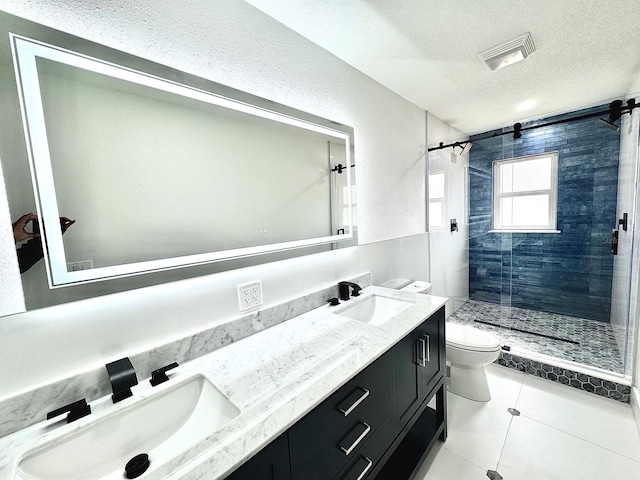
615	110
340	168
464	147
516	130
631	104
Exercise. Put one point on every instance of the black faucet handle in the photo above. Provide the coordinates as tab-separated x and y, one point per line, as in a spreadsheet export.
356	290
333	301
160	375
76	410
122	376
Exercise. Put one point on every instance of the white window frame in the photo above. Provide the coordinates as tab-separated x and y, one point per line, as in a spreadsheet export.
552	192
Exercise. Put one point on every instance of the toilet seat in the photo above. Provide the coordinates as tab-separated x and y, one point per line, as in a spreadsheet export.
469	338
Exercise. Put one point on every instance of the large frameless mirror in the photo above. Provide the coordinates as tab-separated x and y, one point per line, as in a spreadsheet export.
139	168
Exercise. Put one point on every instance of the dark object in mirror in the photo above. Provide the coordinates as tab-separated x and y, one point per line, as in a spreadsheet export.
31	252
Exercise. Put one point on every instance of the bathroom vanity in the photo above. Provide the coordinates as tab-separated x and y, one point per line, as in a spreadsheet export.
352	391
378	425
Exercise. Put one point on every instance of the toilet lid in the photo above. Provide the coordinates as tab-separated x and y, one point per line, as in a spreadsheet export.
469	338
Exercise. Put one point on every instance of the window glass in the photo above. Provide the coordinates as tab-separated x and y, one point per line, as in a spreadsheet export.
436	185
525	193
435	214
436	200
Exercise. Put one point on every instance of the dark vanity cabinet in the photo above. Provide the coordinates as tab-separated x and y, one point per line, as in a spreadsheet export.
416	364
379	425
332	435
272	463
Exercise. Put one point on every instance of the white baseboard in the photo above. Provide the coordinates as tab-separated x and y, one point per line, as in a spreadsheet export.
635	404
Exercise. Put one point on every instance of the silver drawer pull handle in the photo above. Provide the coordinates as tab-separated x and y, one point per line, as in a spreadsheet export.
366	469
422	361
346	411
428	356
355	443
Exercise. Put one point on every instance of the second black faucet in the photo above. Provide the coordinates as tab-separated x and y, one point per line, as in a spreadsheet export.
343	290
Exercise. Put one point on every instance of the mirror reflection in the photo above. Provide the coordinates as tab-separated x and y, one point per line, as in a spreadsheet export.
133	173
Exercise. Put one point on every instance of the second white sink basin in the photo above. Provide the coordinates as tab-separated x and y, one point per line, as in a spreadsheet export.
374	309
162	425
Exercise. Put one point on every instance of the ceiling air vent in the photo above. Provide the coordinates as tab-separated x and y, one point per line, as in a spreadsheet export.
509	52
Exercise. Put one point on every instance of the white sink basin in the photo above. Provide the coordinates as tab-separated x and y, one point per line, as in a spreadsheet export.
374	309
162	425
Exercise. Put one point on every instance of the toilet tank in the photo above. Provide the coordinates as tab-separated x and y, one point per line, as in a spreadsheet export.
396	283
418	287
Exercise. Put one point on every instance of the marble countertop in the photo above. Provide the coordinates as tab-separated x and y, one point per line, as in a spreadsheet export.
274	377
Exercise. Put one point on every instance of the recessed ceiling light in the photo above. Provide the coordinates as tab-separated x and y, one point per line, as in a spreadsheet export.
509	52
527	105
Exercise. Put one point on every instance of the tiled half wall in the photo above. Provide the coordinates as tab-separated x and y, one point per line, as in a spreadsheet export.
581	381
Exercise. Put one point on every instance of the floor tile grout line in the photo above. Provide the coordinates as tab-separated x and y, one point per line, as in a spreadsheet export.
506	437
577	437
462	458
523	414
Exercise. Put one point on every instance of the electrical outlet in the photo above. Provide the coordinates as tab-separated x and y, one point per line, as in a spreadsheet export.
256	293
250	295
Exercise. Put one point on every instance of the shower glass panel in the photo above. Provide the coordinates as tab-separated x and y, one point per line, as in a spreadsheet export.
449	226
559	291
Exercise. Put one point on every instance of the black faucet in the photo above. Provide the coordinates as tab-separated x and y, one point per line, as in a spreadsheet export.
76	410
343	290
122	377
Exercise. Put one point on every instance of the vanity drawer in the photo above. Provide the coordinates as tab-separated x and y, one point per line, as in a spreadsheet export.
371	452
328	437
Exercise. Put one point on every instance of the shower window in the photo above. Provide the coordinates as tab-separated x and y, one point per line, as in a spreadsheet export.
525	193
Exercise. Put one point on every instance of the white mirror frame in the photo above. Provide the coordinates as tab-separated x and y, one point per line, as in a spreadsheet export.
25	51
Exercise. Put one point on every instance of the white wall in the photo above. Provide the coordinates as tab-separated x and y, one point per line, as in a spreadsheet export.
449	251
230	42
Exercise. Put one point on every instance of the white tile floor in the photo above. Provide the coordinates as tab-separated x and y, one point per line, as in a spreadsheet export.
561	434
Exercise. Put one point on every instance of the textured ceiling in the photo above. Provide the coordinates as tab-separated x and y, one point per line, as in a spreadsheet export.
587	51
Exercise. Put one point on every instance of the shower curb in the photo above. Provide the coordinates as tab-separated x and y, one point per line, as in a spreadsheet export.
581	381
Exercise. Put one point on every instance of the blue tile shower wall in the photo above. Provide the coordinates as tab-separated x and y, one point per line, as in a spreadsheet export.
568	273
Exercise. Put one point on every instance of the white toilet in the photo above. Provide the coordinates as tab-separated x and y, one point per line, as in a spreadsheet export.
468	351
